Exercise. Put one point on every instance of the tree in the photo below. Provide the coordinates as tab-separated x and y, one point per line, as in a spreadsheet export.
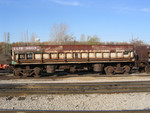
32	38
136	42
82	38
93	40
59	34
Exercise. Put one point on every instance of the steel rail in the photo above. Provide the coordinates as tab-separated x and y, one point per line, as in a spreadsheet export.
3	76
75	88
67	74
46	111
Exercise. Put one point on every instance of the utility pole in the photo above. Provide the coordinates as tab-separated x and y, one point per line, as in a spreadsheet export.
7	43
25	39
22	40
27	36
132	35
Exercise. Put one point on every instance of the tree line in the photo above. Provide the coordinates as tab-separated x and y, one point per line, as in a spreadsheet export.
60	35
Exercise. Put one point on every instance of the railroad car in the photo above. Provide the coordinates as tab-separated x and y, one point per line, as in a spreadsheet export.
4	66
111	59
142	62
5	62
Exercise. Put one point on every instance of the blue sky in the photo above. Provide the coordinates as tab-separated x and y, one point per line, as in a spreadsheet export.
111	20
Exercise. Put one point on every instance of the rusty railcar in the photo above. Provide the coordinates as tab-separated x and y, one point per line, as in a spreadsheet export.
31	60
143	58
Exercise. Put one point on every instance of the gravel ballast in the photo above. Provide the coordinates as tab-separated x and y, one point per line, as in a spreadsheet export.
120	101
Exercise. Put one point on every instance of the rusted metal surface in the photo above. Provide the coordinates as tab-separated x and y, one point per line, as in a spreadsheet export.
60	48
37	71
109	70
74	53
142	53
119	69
126	69
143	58
17	72
95	56
50	69
98	67
57	61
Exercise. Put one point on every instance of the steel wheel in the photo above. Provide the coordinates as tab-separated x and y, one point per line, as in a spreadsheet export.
17	72
37	71
147	69
126	69
109	70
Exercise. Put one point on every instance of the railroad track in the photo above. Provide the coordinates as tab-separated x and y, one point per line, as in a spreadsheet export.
8	76
23	111
74	88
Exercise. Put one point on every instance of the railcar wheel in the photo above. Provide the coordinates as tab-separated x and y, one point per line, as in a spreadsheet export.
109	70
17	72
37	71
147	69
126	69
72	69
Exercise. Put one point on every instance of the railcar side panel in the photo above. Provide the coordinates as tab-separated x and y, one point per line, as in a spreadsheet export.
83	53
30	60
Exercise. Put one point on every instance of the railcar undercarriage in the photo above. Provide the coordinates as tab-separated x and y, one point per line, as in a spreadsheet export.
36	70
